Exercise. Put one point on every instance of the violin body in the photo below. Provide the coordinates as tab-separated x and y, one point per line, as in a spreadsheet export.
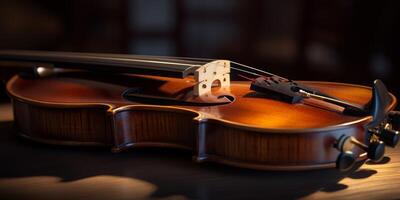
82	108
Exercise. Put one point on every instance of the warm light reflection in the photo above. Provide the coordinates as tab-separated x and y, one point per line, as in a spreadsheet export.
5	113
97	187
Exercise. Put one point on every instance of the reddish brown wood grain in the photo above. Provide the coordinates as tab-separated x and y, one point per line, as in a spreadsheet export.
252	131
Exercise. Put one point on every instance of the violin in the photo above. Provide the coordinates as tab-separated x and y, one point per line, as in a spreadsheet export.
266	122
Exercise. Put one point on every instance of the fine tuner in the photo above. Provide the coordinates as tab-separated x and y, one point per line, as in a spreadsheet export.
387	134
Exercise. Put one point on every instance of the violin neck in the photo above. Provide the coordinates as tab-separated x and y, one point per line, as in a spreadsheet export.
113	63
204	71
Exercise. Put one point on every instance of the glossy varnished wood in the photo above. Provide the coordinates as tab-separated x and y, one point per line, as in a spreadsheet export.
152	127
89	125
252	131
254	110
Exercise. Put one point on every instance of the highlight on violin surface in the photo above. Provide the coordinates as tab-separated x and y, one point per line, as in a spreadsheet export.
267	122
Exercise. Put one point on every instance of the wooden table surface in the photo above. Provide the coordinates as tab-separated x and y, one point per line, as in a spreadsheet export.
35	171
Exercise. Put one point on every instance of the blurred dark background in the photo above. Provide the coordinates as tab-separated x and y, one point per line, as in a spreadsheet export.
351	41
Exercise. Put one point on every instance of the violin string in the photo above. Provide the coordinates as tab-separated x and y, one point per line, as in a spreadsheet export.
233	62
248	72
206	59
236	63
245	77
180	59
259	70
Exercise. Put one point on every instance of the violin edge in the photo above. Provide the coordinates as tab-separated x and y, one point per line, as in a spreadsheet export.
211	142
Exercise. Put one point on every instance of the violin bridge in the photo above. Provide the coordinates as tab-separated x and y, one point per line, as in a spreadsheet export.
213	72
